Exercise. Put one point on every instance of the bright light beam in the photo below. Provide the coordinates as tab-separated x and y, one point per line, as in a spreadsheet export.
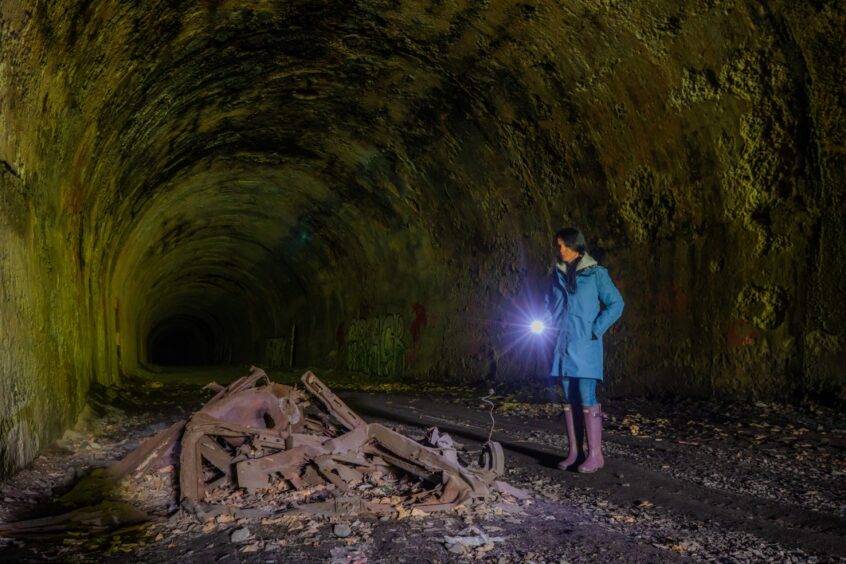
537	327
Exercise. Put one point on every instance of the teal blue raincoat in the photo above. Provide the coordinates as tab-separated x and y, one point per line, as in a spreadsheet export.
580	320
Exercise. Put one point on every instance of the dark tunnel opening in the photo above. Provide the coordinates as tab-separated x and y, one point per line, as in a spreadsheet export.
182	341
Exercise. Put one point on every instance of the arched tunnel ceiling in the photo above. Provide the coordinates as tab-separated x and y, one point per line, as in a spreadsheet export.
260	164
348	100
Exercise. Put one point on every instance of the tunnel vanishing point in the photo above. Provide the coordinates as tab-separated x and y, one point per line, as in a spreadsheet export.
371	186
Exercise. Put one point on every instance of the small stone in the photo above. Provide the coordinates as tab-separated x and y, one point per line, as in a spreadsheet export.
342	530
70	474
240	535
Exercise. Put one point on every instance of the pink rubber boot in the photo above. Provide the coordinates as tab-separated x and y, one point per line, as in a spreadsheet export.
593	428
572	441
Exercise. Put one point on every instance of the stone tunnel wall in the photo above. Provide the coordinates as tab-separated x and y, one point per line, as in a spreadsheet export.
700	150
384	176
45	336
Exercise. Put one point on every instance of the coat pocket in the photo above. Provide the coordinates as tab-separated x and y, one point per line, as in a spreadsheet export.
579	328
585	358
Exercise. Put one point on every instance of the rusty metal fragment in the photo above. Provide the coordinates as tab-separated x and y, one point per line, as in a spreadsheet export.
332	402
506	488
229	438
255	434
103	516
259	436
493	458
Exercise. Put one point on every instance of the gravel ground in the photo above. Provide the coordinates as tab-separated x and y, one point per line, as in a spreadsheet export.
683	481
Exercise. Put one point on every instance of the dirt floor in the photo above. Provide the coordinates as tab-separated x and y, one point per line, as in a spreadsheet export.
683	480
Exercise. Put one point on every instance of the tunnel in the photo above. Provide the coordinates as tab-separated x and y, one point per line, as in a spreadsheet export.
182	341
372	186
334	169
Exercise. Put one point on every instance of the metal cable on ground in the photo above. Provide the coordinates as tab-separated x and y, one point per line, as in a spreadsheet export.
490	403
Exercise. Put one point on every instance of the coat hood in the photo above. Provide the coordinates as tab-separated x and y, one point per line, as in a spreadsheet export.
586	262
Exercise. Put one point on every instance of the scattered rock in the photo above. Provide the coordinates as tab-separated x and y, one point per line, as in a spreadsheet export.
458	548
70	475
470	541
342	530
240	535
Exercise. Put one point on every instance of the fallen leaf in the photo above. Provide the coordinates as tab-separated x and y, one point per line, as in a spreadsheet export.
253	547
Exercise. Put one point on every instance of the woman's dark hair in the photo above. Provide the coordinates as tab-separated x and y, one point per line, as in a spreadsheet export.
575	239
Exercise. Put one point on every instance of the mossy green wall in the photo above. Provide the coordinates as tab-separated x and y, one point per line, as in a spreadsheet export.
45	336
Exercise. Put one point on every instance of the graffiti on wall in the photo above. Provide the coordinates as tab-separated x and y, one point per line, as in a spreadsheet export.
279	351
376	346
276	352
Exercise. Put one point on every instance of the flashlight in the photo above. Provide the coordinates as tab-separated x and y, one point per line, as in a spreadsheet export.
537	327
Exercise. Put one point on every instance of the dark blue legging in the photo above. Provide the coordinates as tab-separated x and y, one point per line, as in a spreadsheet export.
580	391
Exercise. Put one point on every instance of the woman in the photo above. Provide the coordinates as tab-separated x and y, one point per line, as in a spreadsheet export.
579	286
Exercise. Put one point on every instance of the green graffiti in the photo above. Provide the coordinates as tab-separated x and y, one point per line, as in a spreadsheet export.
279	351
275	352
376	346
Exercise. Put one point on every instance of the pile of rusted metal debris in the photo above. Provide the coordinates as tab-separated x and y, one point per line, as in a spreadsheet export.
257	444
